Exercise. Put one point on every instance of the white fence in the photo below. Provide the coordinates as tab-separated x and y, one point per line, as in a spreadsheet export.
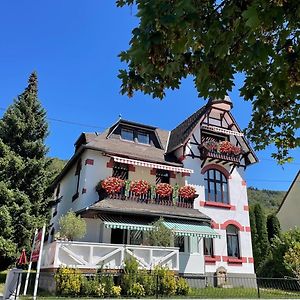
108	256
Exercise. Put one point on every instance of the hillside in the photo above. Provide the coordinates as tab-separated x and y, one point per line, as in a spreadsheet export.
269	200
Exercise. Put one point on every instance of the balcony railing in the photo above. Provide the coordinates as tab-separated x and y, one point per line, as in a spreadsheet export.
149	198
215	154
87	255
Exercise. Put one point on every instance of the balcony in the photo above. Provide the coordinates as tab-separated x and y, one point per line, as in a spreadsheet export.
222	151
151	197
108	256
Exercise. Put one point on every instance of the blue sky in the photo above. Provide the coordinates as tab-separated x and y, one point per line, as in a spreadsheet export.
73	46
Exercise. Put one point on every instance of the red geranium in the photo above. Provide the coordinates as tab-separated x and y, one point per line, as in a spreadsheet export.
187	192
139	187
112	185
164	189
225	147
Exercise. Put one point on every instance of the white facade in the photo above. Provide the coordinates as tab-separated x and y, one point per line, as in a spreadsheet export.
96	165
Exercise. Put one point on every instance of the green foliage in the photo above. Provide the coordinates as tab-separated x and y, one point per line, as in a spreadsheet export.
182	287
68	281
292	259
116	291
214	40
167	281
160	235
24	174
275	266
71	226
261	243
269	200
136	290
273	227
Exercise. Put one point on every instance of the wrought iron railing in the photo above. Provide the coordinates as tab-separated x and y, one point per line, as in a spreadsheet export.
151	197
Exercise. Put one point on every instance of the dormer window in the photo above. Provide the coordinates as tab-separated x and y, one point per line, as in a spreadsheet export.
143	138
127	134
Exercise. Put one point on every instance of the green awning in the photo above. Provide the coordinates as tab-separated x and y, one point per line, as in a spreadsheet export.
125	223
186	228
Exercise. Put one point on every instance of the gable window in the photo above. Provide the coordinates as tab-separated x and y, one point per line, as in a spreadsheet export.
162	176
143	138
232	234
216	186
127	134
208	247
120	171
77	174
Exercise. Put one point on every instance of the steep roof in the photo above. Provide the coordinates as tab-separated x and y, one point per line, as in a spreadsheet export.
179	134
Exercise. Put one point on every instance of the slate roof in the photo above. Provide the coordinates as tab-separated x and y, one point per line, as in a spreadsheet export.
133	150
136	208
182	131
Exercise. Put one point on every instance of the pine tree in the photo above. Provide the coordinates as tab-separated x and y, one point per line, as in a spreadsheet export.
254	237
273	227
24	129
24	174
262	235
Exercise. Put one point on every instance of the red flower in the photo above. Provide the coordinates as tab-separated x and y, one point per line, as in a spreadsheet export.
164	189
139	187
112	185
187	192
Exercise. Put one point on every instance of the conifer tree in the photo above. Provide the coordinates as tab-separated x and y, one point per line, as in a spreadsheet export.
254	237
24	174
262	235
273	227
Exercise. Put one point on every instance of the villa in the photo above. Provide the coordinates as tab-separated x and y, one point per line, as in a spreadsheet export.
105	181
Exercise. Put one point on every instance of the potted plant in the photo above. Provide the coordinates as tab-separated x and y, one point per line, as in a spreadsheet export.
139	187
187	192
110	185
164	190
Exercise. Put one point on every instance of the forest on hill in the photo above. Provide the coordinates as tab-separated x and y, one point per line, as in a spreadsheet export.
268	199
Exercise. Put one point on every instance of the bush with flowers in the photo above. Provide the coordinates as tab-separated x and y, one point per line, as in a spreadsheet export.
187	192
111	185
164	189
139	187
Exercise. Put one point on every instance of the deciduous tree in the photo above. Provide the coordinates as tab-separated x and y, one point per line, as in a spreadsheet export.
214	40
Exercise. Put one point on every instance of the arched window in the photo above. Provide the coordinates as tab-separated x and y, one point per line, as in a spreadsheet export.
216	186
233	248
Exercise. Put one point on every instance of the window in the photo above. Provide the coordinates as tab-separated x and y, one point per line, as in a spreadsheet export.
120	171
127	134
216	187
162	176
118	236
77	173
179	242
232	234
208	246
143	138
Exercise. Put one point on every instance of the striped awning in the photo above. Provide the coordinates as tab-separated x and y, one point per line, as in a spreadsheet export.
150	165
125	223
185	228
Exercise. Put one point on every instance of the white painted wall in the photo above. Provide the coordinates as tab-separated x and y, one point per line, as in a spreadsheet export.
237	197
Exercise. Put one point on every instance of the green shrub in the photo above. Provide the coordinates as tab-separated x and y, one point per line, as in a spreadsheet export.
148	281
136	290
182	287
167	281
116	291
92	287
107	282
68	281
